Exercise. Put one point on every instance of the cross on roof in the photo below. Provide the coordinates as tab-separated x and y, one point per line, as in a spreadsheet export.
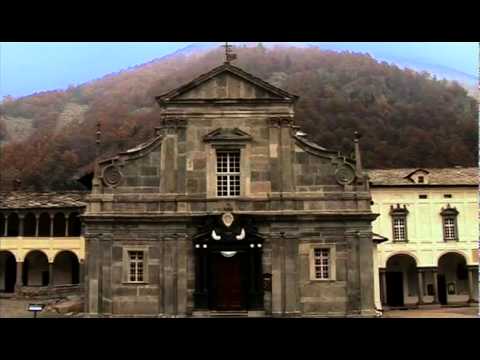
229	55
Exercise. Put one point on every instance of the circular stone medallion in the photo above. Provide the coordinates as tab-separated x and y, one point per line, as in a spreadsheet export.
112	175
345	175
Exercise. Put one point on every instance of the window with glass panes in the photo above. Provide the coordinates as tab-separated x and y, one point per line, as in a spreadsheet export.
136	266
322	263
399	228
449	230
228	173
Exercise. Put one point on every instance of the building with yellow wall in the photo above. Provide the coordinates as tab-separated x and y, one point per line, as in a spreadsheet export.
41	240
430	217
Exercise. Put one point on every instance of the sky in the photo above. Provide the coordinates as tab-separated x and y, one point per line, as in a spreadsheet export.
26	68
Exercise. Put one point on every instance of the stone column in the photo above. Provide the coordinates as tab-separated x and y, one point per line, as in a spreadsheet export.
51	224
50	274
471	298
278	275
383	287
18	282
420	286
37	222
435	286
67	216
20	224
6	224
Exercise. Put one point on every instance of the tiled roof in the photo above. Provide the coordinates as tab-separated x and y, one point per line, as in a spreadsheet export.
444	176
35	200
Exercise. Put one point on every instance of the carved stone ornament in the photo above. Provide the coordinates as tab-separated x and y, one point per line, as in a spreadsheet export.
227	219
345	175
112	175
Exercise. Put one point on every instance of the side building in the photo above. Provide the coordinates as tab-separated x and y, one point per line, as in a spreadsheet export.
430	217
42	249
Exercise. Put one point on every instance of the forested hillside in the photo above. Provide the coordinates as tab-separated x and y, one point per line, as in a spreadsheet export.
407	119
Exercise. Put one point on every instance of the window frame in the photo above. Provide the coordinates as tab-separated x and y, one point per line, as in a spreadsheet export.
228	174
450	213
454	225
331	262
397	213
404	218
126	265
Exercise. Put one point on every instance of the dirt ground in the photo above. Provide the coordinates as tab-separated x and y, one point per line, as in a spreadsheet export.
16	308
460	312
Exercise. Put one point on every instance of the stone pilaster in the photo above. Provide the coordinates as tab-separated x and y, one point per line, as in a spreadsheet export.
471	297
383	287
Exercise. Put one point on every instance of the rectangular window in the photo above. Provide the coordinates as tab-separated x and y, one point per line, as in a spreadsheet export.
228	173
322	264
449	230
136	266
447	196
399	228
421	179
423	196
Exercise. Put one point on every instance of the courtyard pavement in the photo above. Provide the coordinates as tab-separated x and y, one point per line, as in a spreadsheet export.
17	308
444	312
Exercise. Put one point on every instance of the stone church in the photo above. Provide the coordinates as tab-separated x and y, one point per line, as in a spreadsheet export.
229	210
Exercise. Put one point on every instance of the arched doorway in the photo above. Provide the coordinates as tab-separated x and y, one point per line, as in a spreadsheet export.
2	225
44	225
401	279
13	225
65	269
59	225
35	269
29	225
74	224
8	272
452	278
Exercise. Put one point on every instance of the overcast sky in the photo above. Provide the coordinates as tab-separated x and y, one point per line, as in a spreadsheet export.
26	68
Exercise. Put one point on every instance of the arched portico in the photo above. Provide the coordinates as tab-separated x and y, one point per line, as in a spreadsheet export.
453	279
66	269
36	269
8	272
401	281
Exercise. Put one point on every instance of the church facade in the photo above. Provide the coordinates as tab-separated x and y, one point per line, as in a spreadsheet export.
229	209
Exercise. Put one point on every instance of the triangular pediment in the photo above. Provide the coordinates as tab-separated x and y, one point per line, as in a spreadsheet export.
232	135
226	82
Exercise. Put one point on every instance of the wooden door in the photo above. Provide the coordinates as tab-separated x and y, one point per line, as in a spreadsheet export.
227	282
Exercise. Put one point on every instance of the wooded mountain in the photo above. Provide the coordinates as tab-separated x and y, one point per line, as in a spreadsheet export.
407	119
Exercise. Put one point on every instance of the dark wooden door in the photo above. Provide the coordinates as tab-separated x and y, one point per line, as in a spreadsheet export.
442	289
227	282
395	288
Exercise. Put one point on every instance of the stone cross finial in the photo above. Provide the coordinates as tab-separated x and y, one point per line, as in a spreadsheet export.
229	55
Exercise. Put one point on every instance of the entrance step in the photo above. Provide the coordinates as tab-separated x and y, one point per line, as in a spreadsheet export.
228	314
